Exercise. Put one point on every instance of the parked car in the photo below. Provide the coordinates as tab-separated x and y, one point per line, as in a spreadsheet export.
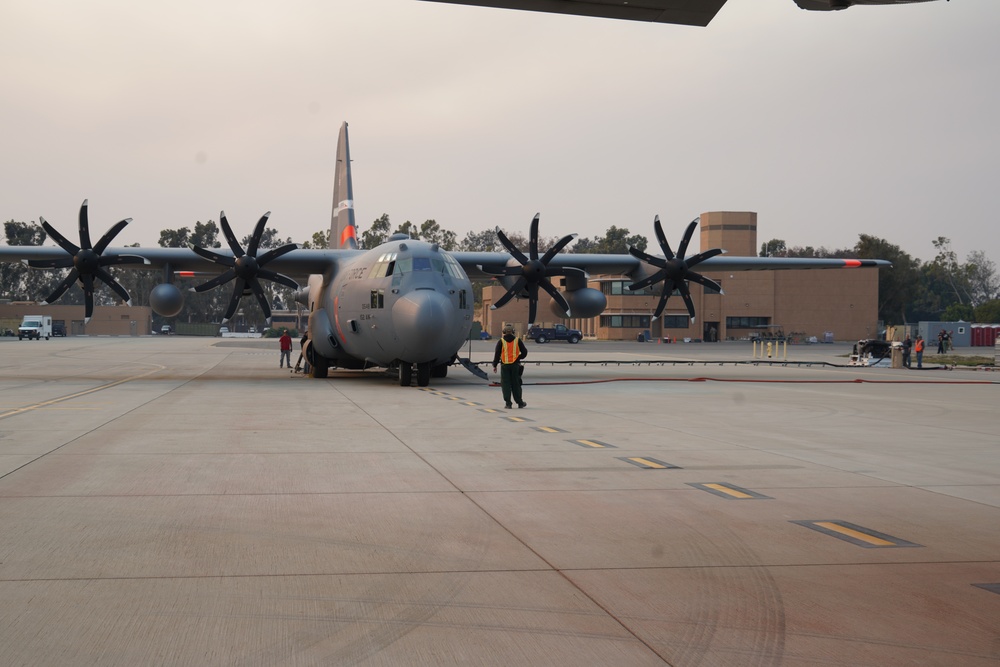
558	332
223	331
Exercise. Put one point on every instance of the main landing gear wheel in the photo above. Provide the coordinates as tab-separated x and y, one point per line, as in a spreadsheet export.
319	368
423	374
405	375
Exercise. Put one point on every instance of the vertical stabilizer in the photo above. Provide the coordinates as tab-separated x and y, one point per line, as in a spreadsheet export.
343	232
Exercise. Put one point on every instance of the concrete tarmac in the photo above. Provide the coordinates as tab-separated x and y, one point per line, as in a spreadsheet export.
183	501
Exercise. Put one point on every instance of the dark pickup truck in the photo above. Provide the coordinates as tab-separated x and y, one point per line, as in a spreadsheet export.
558	332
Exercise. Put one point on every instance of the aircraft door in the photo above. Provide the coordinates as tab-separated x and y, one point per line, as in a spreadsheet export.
710	332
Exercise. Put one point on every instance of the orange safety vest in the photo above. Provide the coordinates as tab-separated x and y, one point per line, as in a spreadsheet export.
509	352
919	345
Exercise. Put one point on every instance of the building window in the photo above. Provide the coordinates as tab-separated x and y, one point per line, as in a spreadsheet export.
676	322
625	321
747	322
620	288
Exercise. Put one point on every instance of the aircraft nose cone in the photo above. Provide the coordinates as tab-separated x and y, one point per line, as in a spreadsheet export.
422	318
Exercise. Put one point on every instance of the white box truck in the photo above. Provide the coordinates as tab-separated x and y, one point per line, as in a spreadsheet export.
35	326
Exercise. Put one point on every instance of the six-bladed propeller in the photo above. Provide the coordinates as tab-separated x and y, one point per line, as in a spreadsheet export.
675	270
245	267
86	261
533	273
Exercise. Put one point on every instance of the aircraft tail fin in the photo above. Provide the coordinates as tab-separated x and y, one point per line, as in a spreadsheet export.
343	232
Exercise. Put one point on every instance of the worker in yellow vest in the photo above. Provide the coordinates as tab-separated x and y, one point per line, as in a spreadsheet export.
509	352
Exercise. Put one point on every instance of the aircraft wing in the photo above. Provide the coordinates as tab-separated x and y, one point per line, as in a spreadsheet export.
684	12
297	264
627	265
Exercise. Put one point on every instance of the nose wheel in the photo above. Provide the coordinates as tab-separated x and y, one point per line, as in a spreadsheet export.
406	374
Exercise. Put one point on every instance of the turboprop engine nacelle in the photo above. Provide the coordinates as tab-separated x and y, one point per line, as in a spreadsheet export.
166	300
583	302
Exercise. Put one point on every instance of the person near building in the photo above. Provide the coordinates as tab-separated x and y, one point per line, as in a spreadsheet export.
508	354
940	349
918	348
285	342
907	345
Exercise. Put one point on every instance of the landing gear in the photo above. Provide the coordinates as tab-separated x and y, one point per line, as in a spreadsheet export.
319	367
405	374
423	374
440	371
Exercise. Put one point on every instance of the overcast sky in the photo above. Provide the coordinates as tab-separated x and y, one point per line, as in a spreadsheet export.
877	120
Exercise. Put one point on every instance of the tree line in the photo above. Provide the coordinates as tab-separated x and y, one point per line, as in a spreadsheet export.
942	289
912	290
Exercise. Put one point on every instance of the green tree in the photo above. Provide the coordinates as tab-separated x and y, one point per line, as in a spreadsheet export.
174	238
897	285
432	232
17	281
205	235
318	241
615	241
981	272
988	312
774	248
377	234
485	241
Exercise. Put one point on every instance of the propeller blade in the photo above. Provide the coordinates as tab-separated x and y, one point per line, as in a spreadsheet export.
686	239
84	227
221	279
554	250
510	294
235	299
501	270
122	259
686	295
276	277
258	232
60	240
276	253
661	238
110	281
511	248
646	282
58	263
662	303
532	302
556	296
258	292
213	256
62	287
110	235
702	256
707	282
649	259
227	231
87	281
533	242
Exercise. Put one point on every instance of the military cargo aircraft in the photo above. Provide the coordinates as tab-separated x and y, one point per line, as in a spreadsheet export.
405	305
684	12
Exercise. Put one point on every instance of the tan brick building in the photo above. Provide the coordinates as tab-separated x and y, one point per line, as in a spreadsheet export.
107	320
799	303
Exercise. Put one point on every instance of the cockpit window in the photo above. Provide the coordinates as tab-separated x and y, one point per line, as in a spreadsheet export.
384	266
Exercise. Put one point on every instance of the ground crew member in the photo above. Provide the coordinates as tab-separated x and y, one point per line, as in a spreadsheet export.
509	352
286	349
918	347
